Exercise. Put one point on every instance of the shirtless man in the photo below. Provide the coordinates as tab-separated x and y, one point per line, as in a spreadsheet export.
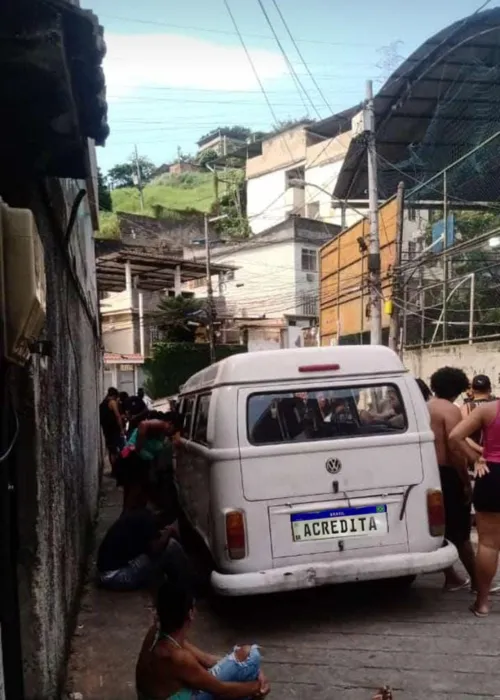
447	384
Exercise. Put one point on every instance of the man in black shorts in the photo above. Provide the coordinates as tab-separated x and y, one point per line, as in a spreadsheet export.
447	384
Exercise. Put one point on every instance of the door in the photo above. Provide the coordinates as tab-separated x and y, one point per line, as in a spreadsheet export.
193	464
334	463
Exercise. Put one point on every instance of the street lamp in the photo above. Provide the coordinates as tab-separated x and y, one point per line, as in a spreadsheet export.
210	291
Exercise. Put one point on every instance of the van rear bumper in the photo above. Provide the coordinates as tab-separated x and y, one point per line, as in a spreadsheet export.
289	578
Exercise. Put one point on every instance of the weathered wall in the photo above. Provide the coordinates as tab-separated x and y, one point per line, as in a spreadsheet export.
343	291
481	358
58	454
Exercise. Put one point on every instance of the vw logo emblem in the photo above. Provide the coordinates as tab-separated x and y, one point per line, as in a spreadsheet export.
333	465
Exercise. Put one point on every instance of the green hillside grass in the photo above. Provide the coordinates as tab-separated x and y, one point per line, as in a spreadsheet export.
189	191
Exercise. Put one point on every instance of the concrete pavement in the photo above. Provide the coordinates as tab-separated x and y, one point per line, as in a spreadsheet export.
317	645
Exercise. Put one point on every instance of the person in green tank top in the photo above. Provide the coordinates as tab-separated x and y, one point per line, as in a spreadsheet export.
144	446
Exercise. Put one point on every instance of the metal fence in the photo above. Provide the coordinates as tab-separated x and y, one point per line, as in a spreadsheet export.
449	269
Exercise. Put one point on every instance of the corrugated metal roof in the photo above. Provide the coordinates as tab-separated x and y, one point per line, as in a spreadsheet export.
439	104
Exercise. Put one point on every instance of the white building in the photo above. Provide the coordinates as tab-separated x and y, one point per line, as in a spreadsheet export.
294	173
273	291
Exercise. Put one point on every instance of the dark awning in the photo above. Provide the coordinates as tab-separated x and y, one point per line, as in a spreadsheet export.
442	102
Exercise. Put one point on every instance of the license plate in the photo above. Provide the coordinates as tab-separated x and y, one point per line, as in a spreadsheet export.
344	522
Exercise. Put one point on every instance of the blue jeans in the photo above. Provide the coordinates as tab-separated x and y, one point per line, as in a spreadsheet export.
230	670
141	571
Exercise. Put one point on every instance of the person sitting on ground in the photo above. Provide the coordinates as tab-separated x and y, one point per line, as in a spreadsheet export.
447	384
170	667
137	551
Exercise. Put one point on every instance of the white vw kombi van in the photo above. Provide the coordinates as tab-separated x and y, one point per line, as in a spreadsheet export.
311	466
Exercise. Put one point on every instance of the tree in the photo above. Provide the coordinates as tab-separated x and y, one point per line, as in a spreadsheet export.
105	202
179	317
124	174
232	205
207	158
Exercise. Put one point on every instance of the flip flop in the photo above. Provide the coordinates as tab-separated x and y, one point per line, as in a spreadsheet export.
460	587
477	612
493	591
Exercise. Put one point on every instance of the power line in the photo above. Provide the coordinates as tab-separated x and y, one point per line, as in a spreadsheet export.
294	42
250	60
229	33
287	60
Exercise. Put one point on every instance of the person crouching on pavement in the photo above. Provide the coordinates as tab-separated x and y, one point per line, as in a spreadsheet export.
137	552
169	666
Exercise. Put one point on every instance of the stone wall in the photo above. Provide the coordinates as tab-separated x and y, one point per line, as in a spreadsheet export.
479	358
57	456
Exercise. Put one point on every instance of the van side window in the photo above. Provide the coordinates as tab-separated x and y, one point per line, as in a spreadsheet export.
325	414
187	411
201	421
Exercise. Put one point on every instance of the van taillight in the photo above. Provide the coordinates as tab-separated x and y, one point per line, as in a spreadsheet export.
435	512
235	535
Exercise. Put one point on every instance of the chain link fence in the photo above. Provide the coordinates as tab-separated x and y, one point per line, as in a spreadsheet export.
450	254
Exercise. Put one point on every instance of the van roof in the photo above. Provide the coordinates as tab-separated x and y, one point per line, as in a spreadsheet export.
300	363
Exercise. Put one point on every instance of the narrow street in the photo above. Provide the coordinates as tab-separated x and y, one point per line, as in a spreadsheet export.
330	642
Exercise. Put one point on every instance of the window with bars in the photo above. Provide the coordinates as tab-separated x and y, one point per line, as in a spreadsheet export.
309	260
309	304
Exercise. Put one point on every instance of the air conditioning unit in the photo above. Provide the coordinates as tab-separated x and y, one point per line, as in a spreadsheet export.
22	282
309	277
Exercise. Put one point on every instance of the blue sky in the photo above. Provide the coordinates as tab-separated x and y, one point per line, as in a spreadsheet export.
176	70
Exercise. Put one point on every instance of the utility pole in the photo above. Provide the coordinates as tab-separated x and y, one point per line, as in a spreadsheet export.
210	295
210	289
138	178
374	241
397	282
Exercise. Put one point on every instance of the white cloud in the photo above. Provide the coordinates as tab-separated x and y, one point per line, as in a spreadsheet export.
166	60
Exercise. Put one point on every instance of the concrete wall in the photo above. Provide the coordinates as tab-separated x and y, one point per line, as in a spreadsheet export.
118	334
269	280
120	321
481	358
57	458
268	199
325	176
279	152
266	204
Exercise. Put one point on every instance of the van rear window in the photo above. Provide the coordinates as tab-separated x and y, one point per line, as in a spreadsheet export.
325	414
